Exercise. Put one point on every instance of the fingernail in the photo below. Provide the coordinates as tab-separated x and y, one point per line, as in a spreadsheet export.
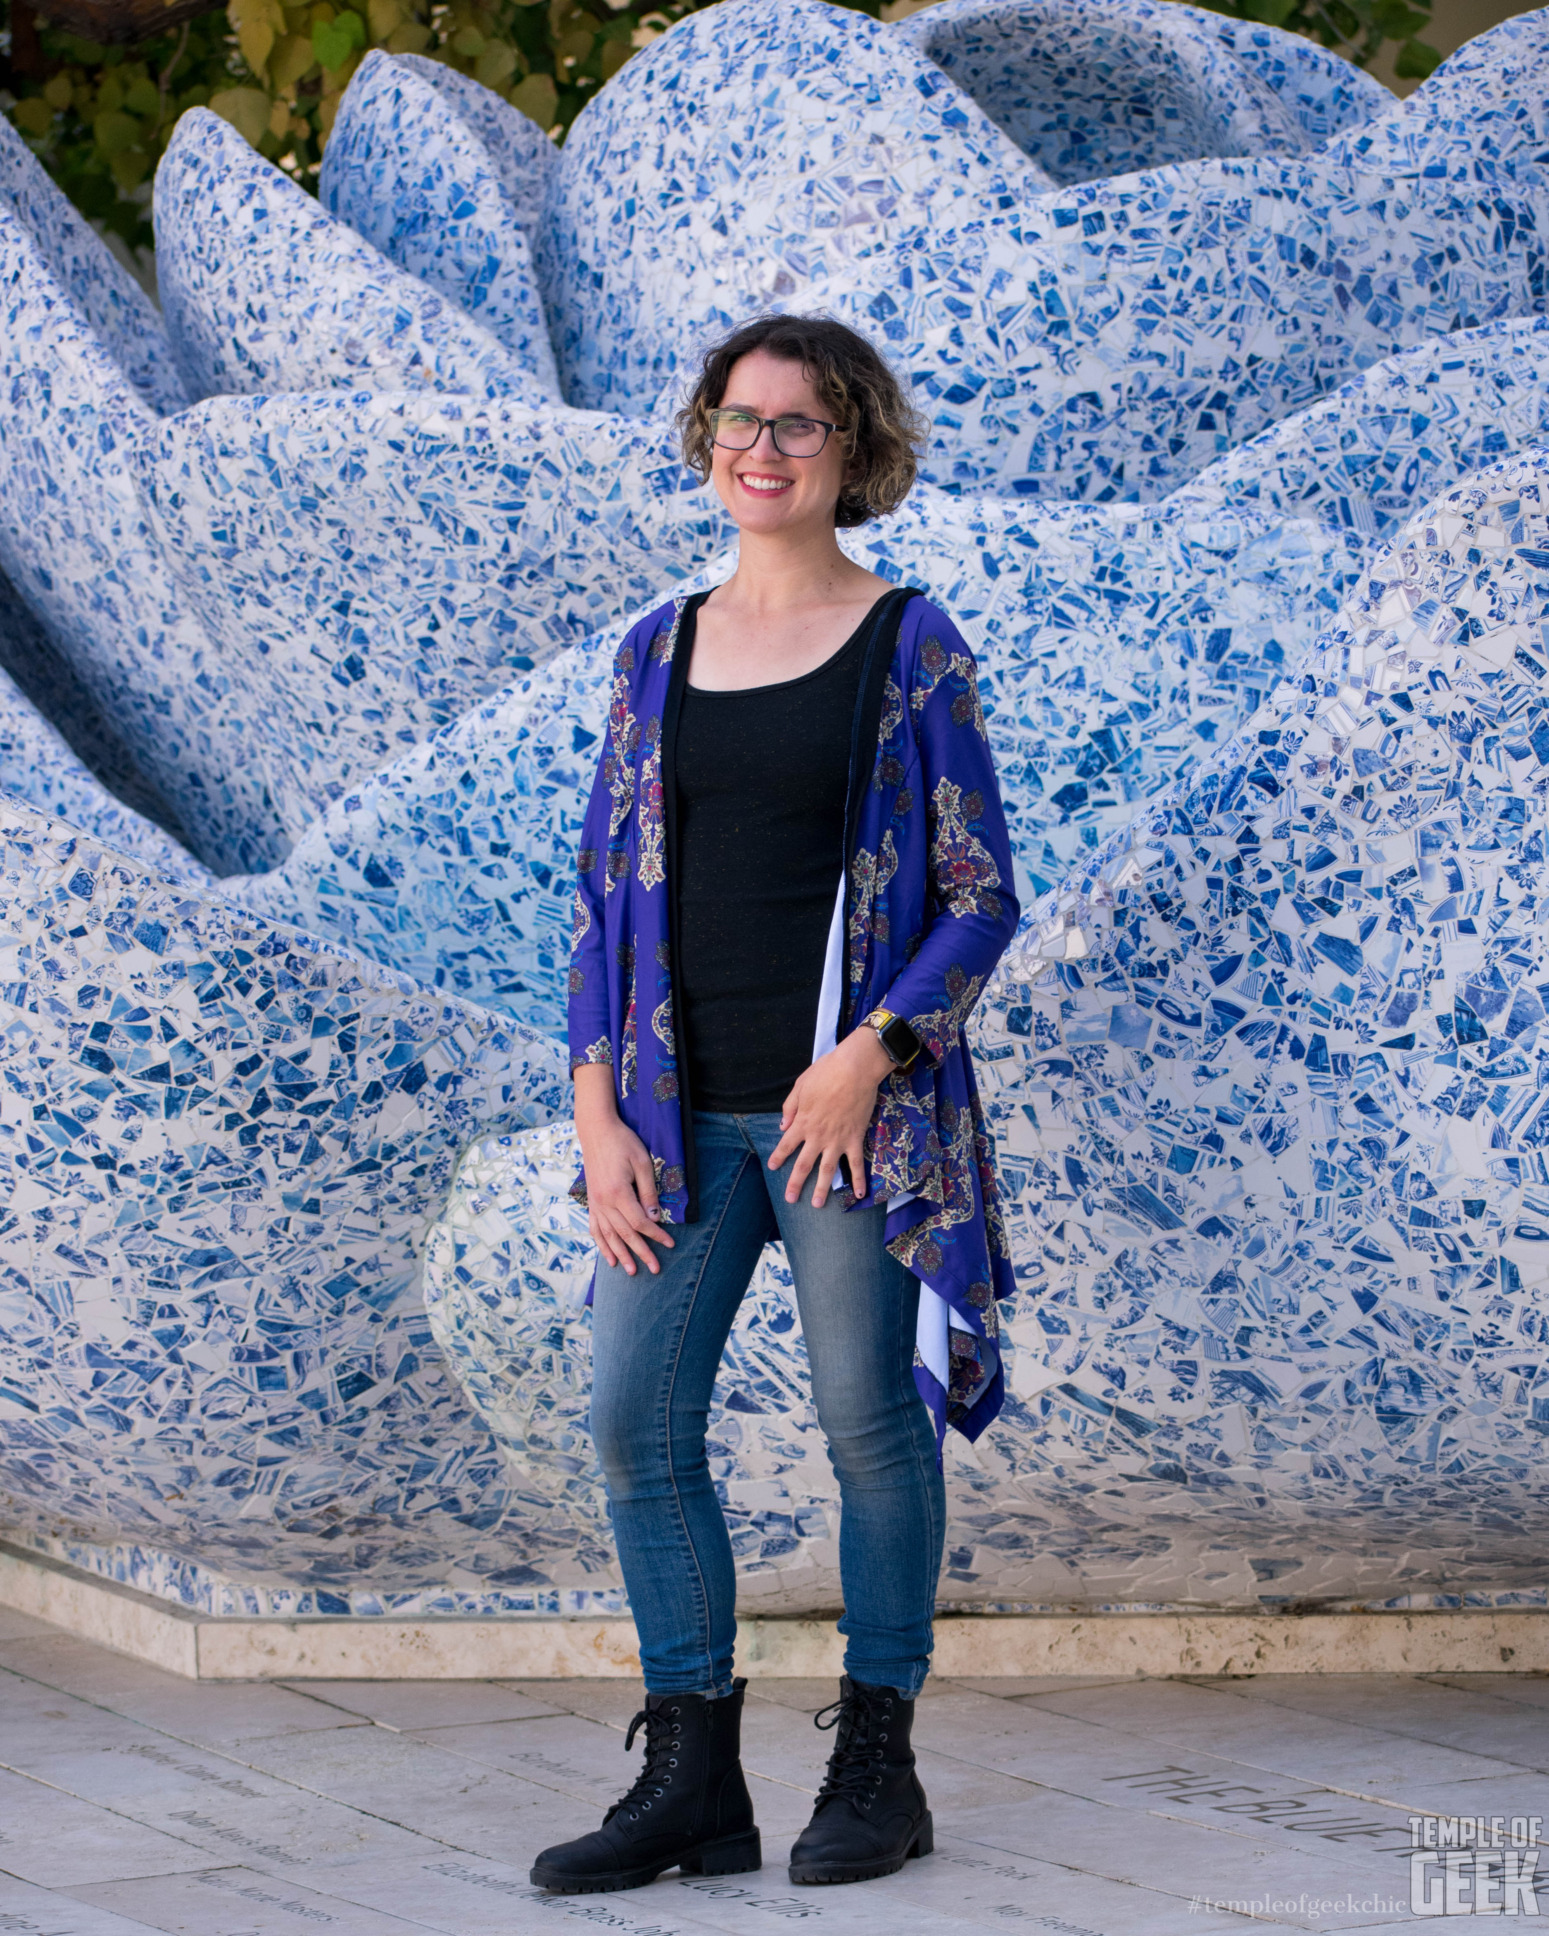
654	1215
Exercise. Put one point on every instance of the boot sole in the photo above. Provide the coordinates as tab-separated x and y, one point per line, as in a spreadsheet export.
924	1843
730	1855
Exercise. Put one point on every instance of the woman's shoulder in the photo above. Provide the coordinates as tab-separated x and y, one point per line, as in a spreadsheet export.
651	629
924	625
661	618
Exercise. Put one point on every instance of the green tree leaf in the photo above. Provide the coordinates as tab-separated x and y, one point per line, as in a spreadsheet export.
143	97
538	99
246	108
333	41
114	132
1416	61
1270	13
34	116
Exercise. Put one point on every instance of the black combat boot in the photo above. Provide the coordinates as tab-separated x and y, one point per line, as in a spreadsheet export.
871	1814
689	1810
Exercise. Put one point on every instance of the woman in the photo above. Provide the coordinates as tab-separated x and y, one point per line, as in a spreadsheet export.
794	882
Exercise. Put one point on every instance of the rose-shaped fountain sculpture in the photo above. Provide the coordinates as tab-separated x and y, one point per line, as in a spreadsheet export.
323	576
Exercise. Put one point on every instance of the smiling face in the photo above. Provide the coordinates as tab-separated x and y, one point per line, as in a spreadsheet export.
765	492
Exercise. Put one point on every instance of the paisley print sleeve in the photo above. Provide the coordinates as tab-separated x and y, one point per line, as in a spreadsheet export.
941	1027
971	904
590	1026
889	768
965	878
618	765
949	666
869	877
649	868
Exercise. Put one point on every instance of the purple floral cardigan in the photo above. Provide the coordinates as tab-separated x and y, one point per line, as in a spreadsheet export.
929	909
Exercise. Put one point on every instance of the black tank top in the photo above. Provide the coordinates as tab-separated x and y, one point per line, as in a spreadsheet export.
762	777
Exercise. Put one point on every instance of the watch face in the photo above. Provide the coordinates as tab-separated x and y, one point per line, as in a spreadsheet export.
898	1039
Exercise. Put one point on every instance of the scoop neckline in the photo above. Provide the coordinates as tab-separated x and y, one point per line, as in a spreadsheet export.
785	685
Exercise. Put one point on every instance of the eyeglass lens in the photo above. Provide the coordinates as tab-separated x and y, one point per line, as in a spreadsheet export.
793	436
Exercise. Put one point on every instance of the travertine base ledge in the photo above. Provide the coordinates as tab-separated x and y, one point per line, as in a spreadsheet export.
207	1647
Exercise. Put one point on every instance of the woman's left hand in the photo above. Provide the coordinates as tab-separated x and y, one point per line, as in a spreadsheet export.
827	1114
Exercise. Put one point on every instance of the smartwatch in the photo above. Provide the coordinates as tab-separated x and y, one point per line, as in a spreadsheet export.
895	1035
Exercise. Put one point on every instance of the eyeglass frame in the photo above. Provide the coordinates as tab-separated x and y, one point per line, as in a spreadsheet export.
769	423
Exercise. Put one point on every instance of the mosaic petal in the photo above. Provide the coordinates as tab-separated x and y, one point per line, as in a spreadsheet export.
410	174
263	291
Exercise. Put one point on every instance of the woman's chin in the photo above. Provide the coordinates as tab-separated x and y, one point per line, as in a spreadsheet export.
774	518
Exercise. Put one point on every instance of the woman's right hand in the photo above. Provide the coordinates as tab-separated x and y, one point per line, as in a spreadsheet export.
622	1210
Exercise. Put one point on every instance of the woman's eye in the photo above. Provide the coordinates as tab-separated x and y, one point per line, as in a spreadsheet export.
797	426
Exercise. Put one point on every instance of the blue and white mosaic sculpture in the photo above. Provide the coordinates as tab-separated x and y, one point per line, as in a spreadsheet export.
1087	89
221	1145
373	563
269	591
86	370
1269	1076
39	768
263	291
1103	341
324	575
410	169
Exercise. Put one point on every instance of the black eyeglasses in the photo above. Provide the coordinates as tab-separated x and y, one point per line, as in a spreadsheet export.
793	436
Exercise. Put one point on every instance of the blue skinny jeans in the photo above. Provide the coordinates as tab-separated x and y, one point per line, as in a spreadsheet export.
656	1347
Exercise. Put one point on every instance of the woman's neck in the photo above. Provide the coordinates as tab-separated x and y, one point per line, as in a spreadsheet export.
790	572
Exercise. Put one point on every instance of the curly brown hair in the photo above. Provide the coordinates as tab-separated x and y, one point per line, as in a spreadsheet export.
879	428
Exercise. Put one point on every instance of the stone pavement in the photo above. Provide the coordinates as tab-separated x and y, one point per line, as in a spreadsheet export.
133	1800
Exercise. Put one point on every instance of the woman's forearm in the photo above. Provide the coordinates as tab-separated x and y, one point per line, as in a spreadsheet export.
596	1106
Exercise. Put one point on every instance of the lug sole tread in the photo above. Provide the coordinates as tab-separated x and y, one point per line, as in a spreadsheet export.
700	1861
837	1872
847	1871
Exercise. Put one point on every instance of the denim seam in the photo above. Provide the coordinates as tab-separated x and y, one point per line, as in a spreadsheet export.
907	1397
702	1591
926	1462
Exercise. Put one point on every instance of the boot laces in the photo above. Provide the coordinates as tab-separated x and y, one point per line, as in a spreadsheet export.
855	1766
662	1729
